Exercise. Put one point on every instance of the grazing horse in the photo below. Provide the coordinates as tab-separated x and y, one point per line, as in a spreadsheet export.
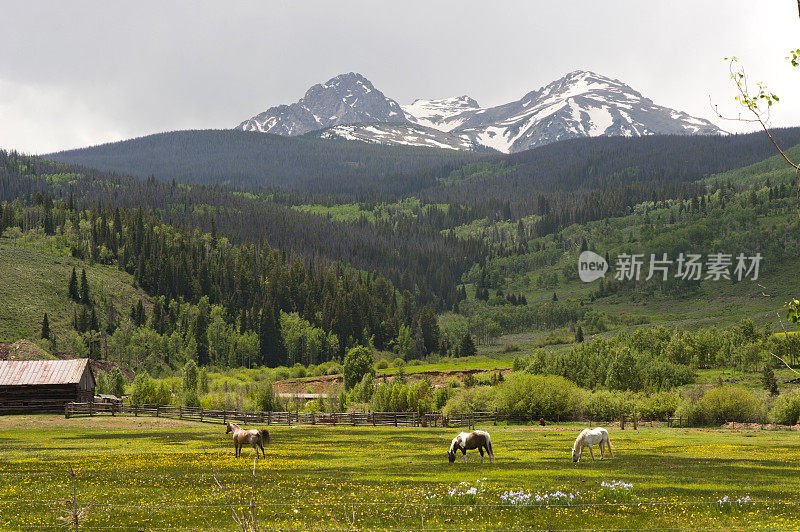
254	437
589	437
477	439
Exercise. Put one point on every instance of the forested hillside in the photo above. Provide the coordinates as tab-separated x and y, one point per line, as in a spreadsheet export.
255	160
278	276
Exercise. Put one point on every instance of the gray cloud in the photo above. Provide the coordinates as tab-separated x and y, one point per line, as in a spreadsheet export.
79	73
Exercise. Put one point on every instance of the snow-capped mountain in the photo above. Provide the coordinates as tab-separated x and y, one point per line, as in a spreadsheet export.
581	104
345	99
399	134
444	115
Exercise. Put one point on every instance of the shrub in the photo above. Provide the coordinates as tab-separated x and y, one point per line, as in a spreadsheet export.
362	392
525	396
723	404
786	409
658	406
383	363
605	405
298	371
334	369
266	400
475	399
357	363
398	362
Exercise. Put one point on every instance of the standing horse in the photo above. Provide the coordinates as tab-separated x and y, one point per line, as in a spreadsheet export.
254	437
477	439
589	437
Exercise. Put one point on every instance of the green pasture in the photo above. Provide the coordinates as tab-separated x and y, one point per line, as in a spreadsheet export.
146	474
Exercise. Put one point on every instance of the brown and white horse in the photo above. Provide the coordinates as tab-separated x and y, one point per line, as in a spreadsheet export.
465	441
254	437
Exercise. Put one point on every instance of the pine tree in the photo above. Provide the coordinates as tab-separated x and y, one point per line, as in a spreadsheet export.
271	346
466	347
140	316
201	331
93	325
84	293
769	381
45	327
419	343
73	286
579	334
555	297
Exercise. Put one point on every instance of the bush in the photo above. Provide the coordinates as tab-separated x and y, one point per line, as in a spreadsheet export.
658	406
362	392
530	397
298	371
398	362
357	363
786	409
721	405
605	405
383	363
475	399
266	400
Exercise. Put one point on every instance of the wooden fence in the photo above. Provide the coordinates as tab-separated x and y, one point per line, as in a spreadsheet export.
375	419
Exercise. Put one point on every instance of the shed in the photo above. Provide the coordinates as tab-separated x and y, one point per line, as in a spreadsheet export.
44	385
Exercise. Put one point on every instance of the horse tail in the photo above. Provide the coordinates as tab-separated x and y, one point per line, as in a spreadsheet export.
608	441
489	445
264	435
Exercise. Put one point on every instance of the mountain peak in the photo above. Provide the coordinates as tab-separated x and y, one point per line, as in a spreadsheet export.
348	98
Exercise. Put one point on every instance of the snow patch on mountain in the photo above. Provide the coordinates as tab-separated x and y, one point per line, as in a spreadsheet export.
399	134
445	114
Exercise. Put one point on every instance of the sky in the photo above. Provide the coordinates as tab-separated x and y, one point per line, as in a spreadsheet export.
80	73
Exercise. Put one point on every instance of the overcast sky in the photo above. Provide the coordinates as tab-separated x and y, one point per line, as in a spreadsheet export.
78	73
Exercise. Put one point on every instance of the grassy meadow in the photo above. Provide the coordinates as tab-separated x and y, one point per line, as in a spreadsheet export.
146	474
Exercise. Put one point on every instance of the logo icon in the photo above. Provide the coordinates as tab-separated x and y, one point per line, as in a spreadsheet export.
591	266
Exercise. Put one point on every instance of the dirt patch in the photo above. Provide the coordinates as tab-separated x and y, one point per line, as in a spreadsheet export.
22	350
744	427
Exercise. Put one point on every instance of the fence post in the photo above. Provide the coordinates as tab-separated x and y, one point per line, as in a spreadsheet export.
269	417
622	421
66	410
135	410
680	421
372	415
313	421
395	419
180	411
201	414
635	422
158	409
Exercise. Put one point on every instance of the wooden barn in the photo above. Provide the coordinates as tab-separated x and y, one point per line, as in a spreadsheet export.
44	385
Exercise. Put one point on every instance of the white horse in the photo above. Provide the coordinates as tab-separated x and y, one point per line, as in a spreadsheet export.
589	437
477	439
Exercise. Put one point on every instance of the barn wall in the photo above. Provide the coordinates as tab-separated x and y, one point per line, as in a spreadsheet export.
40	398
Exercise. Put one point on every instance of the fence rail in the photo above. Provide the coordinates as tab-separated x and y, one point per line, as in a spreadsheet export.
375	419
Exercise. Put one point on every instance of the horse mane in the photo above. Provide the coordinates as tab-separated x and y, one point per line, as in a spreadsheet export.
580	438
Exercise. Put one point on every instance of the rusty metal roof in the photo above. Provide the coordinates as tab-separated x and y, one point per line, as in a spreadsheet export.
26	372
